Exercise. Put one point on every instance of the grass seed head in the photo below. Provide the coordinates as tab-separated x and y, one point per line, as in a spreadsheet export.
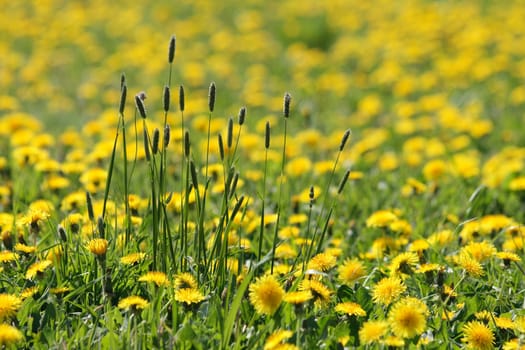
167	133
242	115
181	98
286	105
155	141
211	97
166	98
139	102
171	49
123	94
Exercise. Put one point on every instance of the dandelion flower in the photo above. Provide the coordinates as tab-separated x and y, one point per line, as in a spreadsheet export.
266	295
298	297
372	331
37	268
9	335
98	246
469	264
185	280
407	317
508	257
133	302
7	256
25	248
404	263
322	262
277	338
387	290
188	296
29	292
9	305
133	258
320	292
159	278
477	336
351	271
381	218
349	308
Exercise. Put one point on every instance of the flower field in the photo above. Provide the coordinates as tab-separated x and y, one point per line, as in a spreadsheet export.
265	175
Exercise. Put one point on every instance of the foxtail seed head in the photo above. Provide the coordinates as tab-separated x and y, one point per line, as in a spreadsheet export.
343	182
139	102
230	133
101	226
155	141
347	134
146	145
221	146
167	132
62	233
242	115
166	98
181	98
267	136
89	201
187	144
171	50
211	97
286	105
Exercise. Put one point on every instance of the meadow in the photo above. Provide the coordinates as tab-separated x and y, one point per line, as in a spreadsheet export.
265	175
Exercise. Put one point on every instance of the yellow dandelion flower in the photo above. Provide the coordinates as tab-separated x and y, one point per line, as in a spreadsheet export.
98	246
514	344
322	262
188	296
519	324
393	341
320	292
350	271
298	297
387	290
372	331
469	264
477	336
9	305
277	338
7	256
133	302
159	278
37	268
9	335
403	263
350	308
504	322
60	290
185	280
508	257
266	295
407	317
285	251
29	292
133	258
25	248
480	251
381	218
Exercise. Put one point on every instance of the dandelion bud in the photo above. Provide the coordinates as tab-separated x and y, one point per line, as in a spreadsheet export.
123	93
146	145
286	107
230	133
155	141
211	97
62	233
171	50
267	136
186	144
139	101
221	146
344	139
242	115
167	132
343	182
193	172
181	98
89	201
166	99
101	226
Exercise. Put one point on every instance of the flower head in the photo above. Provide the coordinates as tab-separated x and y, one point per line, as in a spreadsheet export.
322	262
266	294
159	278
277	338
477	336
350	271
349	308
9	305
372	331
37	268
98	246
387	290
407	317
133	302
185	280
133	258
188	296
9	335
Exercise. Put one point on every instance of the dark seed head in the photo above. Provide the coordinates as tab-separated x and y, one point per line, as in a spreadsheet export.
123	93
171	50
186	144
166	99
62	233
221	146
167	132
89	202
242	115
344	139
286	105
211	97
101	226
181	98
139	102
343	182
230	133
155	141
267	136
146	145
